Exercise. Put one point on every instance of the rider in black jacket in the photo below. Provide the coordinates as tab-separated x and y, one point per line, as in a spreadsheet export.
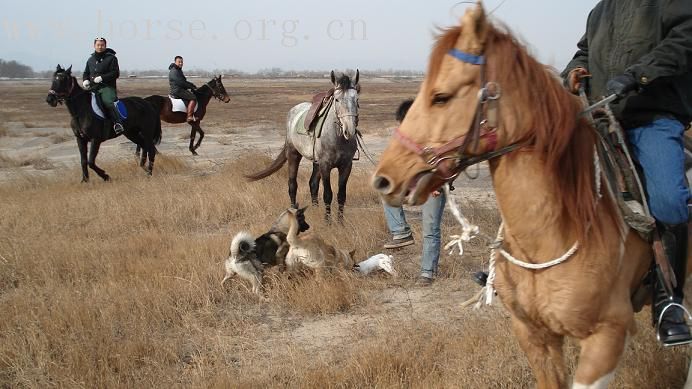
100	75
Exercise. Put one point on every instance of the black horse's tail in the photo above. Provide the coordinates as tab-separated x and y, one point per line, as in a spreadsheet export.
157	131
278	162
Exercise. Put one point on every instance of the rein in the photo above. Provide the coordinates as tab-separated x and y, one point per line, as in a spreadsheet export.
450	159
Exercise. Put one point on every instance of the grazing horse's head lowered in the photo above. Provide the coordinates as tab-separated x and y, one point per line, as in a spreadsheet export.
62	86
218	90
346	103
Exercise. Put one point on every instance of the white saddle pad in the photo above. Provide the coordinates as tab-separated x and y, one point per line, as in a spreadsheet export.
95	107
179	105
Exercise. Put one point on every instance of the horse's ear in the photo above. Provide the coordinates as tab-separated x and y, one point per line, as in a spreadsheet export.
474	29
333	78
357	77
69	70
58	68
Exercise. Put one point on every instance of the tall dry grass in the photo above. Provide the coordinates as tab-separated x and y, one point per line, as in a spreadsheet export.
118	285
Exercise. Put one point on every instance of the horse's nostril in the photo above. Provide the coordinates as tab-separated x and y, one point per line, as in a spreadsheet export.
382	184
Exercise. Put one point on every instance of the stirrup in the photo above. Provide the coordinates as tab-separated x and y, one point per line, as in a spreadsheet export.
660	319
118	128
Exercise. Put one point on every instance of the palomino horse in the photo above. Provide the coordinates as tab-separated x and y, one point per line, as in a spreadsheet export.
142	126
485	98
333	149
213	88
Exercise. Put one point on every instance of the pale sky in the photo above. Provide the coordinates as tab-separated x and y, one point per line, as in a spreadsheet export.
251	35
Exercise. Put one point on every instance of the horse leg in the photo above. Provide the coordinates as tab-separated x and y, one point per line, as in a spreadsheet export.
139	148
193	131
82	145
294	158
327	194
599	356
544	352
315	183
344	173
201	135
93	152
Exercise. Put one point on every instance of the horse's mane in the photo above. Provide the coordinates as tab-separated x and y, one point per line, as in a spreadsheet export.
344	82
554	123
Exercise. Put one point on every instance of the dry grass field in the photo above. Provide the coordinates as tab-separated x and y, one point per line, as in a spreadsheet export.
118	284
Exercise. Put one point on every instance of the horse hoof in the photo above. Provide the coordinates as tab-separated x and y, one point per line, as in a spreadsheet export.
193	152
85	180
106	178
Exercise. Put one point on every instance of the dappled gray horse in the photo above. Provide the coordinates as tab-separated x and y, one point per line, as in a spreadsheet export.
333	149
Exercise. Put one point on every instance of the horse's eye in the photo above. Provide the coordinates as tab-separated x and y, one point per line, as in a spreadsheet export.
441	98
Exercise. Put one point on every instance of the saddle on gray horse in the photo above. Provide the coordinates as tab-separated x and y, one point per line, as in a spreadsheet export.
319	101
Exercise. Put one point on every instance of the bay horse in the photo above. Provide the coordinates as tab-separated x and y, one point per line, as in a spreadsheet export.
142	126
485	98
213	88
333	149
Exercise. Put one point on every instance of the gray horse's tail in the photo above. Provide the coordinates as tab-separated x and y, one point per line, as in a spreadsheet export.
278	162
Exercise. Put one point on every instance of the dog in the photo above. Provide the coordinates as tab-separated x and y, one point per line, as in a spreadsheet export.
271	247
242	260
313	252
248	257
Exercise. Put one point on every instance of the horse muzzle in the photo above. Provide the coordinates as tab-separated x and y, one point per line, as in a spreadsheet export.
52	100
414	192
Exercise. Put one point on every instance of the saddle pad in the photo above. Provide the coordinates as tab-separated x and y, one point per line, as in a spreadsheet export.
178	105
96	107
316	126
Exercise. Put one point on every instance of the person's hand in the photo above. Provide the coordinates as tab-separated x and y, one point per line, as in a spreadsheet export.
435	193
622	85
86	84
98	79
575	77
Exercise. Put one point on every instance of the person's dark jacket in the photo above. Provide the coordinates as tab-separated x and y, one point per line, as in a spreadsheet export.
102	64
652	41
177	80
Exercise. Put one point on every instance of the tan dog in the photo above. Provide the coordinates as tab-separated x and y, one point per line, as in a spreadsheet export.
312	252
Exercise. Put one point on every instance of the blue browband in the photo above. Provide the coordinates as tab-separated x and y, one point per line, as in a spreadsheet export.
466	57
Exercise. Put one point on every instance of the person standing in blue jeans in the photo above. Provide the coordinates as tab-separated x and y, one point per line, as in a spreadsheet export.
431	219
641	51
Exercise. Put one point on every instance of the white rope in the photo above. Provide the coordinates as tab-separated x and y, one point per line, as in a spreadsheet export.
470	231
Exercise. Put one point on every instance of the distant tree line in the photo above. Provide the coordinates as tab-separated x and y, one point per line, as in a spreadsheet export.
14	69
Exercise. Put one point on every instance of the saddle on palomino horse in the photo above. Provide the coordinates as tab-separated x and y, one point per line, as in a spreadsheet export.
623	180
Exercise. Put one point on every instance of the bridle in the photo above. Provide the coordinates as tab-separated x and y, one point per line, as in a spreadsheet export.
61	97
450	159
341	116
217	95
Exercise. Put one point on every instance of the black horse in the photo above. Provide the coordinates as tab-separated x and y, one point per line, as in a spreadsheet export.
142	126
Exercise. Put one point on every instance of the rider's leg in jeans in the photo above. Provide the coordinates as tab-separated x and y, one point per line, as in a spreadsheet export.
659	149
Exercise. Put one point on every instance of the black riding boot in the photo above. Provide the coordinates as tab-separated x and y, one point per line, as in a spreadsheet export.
118	126
673	329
